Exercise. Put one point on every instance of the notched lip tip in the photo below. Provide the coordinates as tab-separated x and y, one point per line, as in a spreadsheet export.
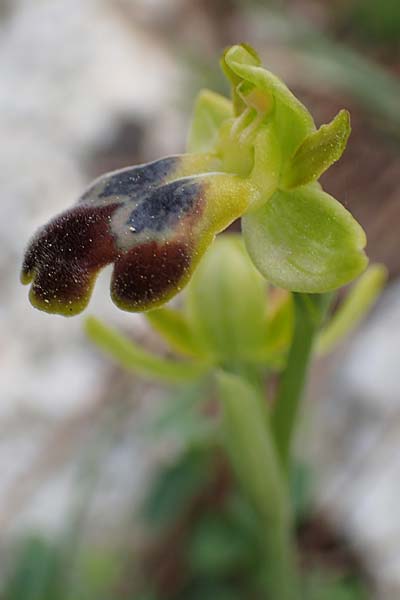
26	277
54	308
137	307
128	307
56	311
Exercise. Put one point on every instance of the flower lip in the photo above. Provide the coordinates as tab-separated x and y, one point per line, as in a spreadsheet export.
162	212
136	180
132	218
64	257
153	222
150	272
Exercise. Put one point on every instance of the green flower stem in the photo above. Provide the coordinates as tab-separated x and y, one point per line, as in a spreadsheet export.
310	311
252	450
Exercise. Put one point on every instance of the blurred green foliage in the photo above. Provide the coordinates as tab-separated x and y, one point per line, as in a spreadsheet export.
35	574
41	570
376	21
219	551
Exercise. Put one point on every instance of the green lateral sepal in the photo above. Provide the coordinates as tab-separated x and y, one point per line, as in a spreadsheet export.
305	241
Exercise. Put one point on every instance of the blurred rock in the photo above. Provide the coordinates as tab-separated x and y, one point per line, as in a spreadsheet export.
356	437
74	74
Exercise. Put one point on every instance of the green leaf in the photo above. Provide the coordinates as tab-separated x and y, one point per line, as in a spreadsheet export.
97	574
330	585
226	301
305	241
134	358
354	308
218	548
36	572
210	111
215	590
301	482
318	152
173	327
292	119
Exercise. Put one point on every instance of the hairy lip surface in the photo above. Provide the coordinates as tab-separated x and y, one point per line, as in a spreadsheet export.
148	273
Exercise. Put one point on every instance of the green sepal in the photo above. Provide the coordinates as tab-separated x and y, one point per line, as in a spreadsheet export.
318	152
305	241
132	357
358	302
173	327
210	111
293	121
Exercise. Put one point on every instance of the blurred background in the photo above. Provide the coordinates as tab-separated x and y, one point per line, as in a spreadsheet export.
90	86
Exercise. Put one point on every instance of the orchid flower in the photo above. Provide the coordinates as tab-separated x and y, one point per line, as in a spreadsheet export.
257	156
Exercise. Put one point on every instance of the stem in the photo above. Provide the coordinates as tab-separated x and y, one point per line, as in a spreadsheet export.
251	447
309	314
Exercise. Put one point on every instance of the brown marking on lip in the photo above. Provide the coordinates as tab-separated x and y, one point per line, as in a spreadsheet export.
62	289
64	257
149	274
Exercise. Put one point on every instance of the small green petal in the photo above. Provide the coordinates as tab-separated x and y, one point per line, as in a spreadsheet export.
134	358
292	119
318	152
305	241
354	308
267	162
210	111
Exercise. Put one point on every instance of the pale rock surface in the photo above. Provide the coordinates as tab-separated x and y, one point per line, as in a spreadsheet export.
69	70
356	443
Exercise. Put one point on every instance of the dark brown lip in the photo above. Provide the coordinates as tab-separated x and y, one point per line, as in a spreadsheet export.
149	273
